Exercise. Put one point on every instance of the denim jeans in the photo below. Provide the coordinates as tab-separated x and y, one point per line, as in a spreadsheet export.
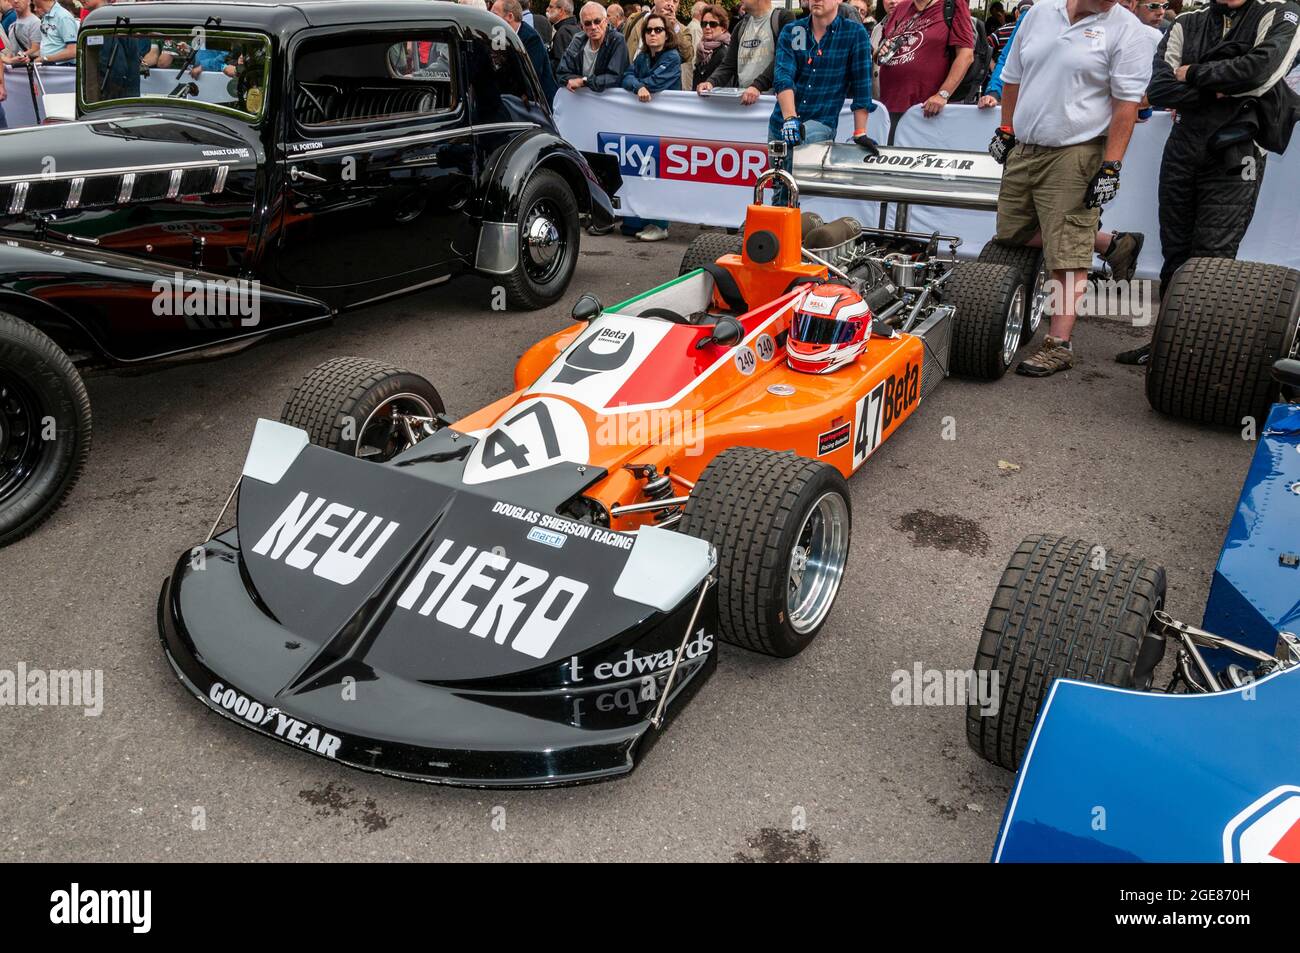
813	131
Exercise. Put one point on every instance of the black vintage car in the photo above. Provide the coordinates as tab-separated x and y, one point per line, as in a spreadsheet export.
242	169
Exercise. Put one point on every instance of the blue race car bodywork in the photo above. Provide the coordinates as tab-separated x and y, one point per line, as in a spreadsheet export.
1119	775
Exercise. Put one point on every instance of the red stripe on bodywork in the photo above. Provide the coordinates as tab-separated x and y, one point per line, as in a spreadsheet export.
675	363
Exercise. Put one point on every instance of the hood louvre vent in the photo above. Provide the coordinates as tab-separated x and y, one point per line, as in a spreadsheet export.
97	191
47	195
150	186
197	181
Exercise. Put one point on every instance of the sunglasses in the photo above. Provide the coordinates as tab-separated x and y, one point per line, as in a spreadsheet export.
709	24
592	22
654	29
1156	6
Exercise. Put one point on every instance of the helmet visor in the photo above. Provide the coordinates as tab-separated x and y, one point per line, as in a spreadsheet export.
811	329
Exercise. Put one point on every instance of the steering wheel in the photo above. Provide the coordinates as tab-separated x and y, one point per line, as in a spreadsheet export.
665	313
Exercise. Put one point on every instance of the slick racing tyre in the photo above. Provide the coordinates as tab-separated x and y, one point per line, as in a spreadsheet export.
986	329
781	525
1028	264
707	248
549	237
1222	325
44	427
366	409
1064	608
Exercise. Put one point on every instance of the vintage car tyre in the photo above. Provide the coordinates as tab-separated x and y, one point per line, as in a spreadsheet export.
1222	325
1028	263
986	330
1064	608
707	248
355	406
549	236
770	515
38	384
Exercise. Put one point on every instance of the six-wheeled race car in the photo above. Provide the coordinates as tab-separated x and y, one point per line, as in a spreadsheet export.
1114	766
525	595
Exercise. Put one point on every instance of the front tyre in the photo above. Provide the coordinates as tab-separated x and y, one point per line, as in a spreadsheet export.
706	249
1063	609
366	409
44	427
549	237
781	526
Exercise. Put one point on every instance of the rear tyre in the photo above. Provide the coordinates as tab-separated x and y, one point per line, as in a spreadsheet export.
366	409
1028	264
549	238
44	427
707	248
1222	325
1064	608
781	525
986	329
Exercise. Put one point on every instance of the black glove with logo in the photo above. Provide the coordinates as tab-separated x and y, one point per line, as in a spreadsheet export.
1004	140
868	144
1103	186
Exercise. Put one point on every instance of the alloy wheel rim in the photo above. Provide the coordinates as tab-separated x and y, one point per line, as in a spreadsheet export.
397	424
816	563
1038	300
1015	322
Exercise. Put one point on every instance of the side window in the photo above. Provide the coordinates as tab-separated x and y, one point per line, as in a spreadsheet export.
338	81
502	89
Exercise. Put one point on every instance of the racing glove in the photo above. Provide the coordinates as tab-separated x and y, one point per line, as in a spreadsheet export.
866	142
792	131
1103	186
1004	140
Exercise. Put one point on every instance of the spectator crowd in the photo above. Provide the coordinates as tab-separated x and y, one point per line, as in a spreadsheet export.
1070	79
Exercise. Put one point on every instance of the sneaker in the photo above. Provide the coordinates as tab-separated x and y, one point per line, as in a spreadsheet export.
652	233
1053	356
1122	256
598	231
1139	355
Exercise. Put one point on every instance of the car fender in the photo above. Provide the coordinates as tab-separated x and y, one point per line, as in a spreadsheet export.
506	176
125	309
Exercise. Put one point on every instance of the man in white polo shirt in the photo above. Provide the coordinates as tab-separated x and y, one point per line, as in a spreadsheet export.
1071	87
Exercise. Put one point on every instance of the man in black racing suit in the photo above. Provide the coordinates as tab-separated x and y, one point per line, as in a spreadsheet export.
1220	69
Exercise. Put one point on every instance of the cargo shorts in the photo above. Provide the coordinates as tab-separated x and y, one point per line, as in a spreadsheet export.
1043	188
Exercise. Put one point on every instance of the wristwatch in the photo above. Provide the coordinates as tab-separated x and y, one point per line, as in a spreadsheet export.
945	94
1114	164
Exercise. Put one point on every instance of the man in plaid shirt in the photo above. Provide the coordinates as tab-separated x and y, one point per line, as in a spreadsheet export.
821	60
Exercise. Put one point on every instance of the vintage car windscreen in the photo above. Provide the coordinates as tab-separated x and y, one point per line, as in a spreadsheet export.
220	70
342	81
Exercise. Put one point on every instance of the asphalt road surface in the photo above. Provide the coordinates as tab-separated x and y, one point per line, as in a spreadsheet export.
765	745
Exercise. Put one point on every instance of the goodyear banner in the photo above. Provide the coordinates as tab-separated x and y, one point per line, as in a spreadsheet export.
687	158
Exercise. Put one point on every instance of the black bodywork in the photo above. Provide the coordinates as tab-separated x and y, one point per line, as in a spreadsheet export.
323	217
412	644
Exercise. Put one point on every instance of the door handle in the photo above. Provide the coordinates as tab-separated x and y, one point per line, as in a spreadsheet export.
297	175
